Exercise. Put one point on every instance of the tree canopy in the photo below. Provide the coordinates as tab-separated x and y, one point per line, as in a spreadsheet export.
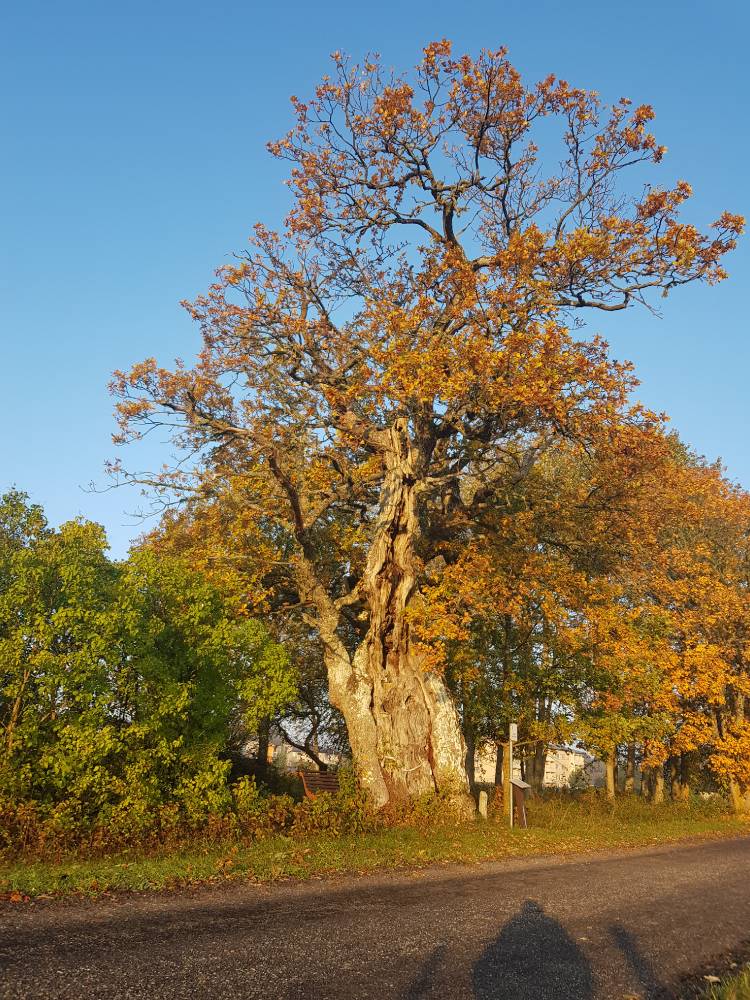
379	378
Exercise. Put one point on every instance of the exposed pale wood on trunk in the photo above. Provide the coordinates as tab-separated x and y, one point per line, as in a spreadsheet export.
403	725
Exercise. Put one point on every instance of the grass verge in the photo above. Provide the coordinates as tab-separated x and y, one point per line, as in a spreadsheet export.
732	988
555	828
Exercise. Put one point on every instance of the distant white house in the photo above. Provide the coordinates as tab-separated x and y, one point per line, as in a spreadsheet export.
288	758
285	757
565	765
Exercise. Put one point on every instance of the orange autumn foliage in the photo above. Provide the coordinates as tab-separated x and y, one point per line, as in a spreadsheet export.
377	380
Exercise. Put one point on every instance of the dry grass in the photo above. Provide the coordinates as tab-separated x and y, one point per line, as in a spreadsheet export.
732	988
560	825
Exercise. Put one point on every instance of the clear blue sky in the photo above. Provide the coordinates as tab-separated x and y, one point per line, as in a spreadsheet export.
134	163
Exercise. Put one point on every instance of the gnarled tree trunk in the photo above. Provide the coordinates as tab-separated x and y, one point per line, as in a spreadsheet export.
403	726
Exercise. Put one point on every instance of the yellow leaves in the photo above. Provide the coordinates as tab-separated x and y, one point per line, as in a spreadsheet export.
731	222
535	368
649	590
585	244
436	52
393	104
730	756
634	134
424	276
236	275
373	161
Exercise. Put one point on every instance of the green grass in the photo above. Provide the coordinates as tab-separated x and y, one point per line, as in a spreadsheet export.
732	988
557	827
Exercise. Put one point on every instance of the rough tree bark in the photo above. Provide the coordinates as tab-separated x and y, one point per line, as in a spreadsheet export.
629	786
609	769
403	725
686	769
657	791
647	782
499	764
264	735
739	796
679	778
538	766
739	791
471	749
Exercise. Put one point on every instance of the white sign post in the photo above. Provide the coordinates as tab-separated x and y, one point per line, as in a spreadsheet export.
512	738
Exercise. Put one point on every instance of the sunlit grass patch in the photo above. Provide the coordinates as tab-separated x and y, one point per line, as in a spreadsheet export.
557	826
735	987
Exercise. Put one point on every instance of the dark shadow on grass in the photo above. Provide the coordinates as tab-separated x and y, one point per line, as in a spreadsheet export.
533	958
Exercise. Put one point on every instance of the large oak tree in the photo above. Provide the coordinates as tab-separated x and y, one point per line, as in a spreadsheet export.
373	377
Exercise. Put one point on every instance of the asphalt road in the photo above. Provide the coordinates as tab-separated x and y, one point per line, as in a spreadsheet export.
604	926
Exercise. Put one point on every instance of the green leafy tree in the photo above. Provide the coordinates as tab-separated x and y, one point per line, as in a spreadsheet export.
118	680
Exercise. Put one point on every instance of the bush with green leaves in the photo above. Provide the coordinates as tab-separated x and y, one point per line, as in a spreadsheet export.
117	680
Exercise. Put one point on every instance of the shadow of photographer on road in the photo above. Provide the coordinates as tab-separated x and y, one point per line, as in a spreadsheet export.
533	958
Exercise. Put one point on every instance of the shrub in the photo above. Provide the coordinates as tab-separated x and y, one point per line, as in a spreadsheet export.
257	814
117	685
348	811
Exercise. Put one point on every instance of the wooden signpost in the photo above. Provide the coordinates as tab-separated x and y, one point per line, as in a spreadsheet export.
512	738
514	791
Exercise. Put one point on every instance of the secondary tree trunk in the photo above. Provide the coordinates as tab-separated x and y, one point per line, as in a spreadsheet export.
678	778
658	794
609	766
736	716
739	789
499	764
647	783
538	766
471	750
630	770
739	796
264	735
686	768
